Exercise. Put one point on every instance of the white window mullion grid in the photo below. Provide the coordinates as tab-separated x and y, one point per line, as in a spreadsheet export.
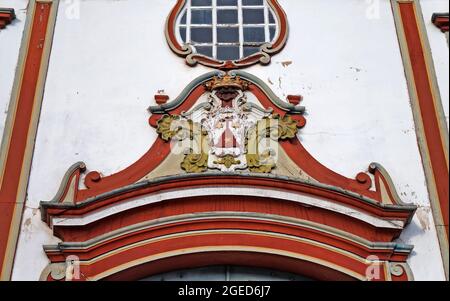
188	22
214	28
266	22
241	28
214	44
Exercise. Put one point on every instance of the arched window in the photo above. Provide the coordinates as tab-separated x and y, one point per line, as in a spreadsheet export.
227	273
227	30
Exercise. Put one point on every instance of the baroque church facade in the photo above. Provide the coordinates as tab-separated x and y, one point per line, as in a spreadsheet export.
224	140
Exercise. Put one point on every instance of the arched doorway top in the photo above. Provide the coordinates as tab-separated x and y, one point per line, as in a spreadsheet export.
227	179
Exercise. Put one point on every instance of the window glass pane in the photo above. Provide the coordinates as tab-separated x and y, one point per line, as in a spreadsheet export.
225	53
227	2
228	35
252	2
250	50
201	35
271	18
201	17
229	43
201	2
205	50
273	31
253	16
227	16
183	34
183	19
254	34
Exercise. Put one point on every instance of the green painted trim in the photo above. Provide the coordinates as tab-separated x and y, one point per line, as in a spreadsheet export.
165	108
154	182
65	181
283	105
376	166
394	247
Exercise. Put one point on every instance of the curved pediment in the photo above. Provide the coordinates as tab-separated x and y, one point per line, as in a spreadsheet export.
230	116
229	145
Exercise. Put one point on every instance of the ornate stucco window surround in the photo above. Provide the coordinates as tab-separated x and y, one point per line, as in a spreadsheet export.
227	34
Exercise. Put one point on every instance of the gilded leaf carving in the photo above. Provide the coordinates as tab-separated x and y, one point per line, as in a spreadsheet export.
195	163
228	133
228	161
165	128
279	128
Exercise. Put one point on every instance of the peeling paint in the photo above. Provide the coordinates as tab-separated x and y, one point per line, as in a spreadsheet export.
329	77
423	214
27	223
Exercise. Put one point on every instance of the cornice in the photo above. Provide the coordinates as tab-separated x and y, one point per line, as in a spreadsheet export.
441	21
7	15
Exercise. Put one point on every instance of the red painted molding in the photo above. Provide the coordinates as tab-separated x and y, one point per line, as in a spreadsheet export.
98	185
433	133
441	20
295	99
205	238
7	15
16	144
379	201
258	260
161	99
52	210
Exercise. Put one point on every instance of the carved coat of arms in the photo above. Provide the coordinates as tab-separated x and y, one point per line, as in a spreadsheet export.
228	132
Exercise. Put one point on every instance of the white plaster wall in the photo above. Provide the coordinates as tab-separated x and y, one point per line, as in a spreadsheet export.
10	40
107	64
439	47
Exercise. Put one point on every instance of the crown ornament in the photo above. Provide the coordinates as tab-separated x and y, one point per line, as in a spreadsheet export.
227	81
